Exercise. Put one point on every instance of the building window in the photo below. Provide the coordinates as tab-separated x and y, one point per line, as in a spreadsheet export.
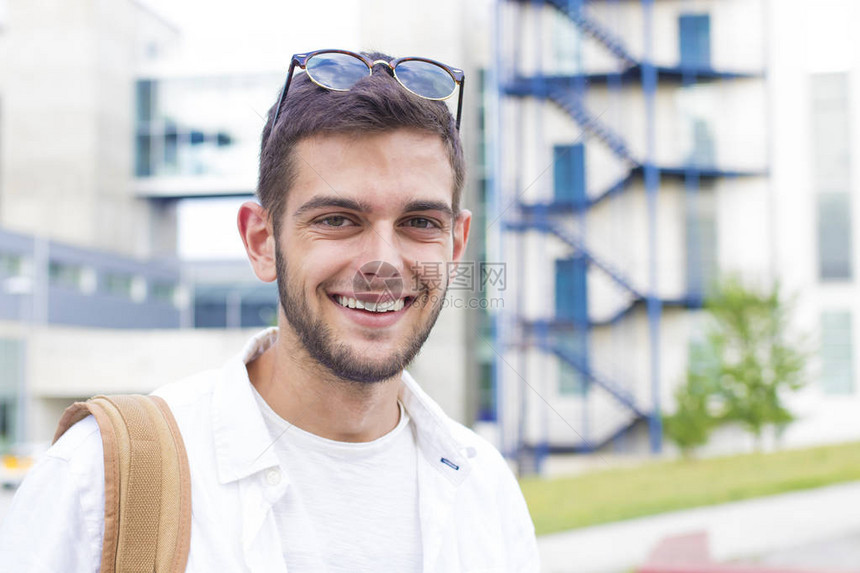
571	306
837	361
486	393
7	423
118	284
143	155
170	145
145	100
256	314
210	313
831	167
694	35
11	354
701	243
704	146
571	290
190	127
11	264
834	236
65	275
162	291
566	45
569	173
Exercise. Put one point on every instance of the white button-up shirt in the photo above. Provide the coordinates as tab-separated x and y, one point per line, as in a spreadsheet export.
472	513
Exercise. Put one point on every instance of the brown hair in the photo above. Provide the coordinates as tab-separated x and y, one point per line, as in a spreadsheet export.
375	104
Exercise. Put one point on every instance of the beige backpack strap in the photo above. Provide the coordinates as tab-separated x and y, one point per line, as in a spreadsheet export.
147	483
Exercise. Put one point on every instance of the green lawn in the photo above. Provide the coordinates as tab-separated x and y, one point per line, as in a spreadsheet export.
604	496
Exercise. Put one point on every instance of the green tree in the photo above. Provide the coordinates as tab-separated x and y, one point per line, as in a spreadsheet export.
758	364
746	366
691	424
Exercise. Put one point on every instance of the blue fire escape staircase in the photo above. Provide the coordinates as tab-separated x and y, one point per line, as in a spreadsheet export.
538	219
549	336
593	29
568	92
541	334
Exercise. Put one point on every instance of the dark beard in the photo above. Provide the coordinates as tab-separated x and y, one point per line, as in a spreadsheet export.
338	358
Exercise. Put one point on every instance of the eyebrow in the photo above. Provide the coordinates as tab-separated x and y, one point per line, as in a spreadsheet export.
328	201
429	206
362	207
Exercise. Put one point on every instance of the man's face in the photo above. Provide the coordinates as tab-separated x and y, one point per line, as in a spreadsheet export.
367	221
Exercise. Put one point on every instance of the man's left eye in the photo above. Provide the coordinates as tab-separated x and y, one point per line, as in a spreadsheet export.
422	223
335	221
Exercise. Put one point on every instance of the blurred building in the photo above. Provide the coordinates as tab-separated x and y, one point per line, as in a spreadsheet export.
623	154
108	130
646	148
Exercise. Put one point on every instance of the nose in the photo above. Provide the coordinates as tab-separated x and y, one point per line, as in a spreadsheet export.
380	272
382	245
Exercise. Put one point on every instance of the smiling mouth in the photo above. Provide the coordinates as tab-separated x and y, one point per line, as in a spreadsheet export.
372	307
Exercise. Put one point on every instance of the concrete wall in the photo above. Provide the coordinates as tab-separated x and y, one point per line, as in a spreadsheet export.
68	364
66	130
807	39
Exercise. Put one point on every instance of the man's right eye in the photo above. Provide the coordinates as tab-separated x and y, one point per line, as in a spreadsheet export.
335	221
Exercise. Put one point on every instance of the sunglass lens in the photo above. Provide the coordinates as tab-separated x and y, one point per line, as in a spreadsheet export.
336	71
425	79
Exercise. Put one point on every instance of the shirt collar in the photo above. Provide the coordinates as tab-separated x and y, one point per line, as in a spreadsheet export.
242	440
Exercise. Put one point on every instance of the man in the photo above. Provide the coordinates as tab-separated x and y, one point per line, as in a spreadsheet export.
314	450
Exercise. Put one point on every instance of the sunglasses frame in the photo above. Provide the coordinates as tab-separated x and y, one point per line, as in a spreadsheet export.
301	61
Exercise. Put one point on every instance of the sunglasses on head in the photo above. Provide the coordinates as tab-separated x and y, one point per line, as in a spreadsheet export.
339	70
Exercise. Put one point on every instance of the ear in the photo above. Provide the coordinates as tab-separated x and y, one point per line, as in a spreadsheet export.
461	233
259	240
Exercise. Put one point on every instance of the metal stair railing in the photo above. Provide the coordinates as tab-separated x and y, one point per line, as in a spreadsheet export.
621	394
574	106
623	311
612	189
577	244
587	203
595	30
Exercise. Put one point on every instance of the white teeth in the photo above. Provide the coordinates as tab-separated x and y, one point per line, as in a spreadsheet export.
387	306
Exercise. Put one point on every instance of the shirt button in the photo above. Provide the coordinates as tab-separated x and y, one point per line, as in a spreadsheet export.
273	477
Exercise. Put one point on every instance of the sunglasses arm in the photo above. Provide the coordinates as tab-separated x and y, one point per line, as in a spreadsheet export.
460	102
283	94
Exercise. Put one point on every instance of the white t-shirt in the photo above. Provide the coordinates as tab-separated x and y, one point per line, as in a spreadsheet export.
349	506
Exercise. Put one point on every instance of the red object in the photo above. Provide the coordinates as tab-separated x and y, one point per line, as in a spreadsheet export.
689	553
